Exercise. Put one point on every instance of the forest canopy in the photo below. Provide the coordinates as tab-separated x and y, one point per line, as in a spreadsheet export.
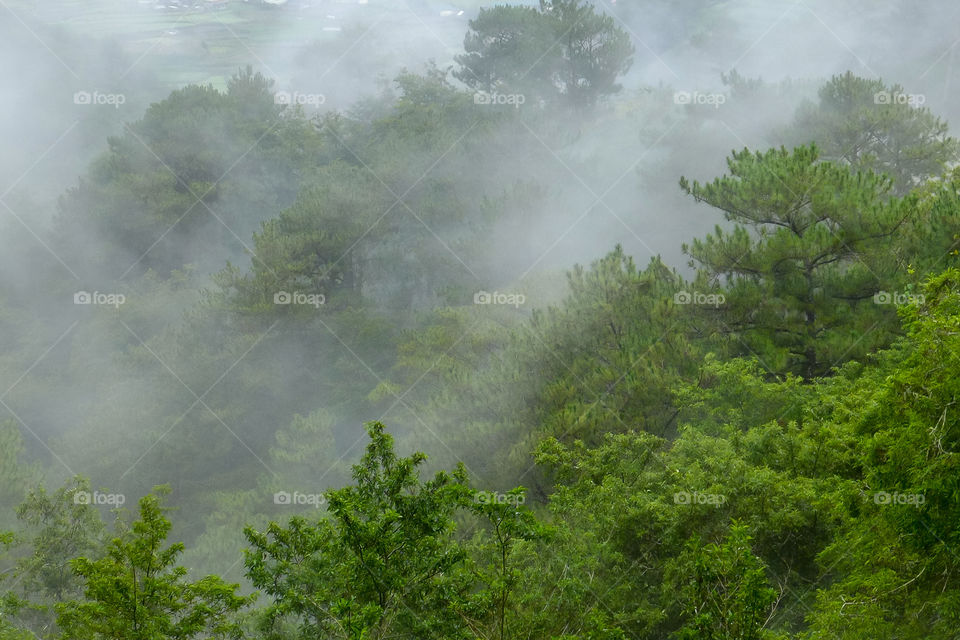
411	368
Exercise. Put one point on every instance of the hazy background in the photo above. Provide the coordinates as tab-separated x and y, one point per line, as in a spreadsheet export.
610	178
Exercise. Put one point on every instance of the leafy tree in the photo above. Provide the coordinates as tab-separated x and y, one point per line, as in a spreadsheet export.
10	604
871	126
59	527
510	526
16	474
56	529
602	575
808	251
893	565
612	350
601	360
722	589
594	51
507	48
383	223
775	456
563	51
305	249
384	563
200	170
136	591
932	241
62	529
387	560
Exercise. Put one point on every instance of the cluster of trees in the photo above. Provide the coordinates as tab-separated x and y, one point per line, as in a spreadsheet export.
758	448
780	507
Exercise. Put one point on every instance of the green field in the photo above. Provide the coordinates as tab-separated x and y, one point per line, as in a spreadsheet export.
188	45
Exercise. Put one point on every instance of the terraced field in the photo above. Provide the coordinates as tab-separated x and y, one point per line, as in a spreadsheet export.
185	41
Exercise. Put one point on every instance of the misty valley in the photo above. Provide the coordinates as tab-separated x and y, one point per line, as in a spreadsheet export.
463	319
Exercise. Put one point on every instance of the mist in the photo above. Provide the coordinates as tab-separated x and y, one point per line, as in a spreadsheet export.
232	232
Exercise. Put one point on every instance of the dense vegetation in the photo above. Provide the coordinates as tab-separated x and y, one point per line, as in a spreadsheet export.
759	447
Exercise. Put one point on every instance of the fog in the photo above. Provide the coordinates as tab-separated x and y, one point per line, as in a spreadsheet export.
166	382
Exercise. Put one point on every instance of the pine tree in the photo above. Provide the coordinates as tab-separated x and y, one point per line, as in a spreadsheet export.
137	592
808	251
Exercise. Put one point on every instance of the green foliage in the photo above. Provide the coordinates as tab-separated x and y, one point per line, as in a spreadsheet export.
383	223
505	50
721	589
870	126
136	591
610	352
201	168
562	52
807	254
770	455
385	561
602	360
16	474
707	470
61	528
305	249
10	604
56	529
499	569
894	561
933	239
